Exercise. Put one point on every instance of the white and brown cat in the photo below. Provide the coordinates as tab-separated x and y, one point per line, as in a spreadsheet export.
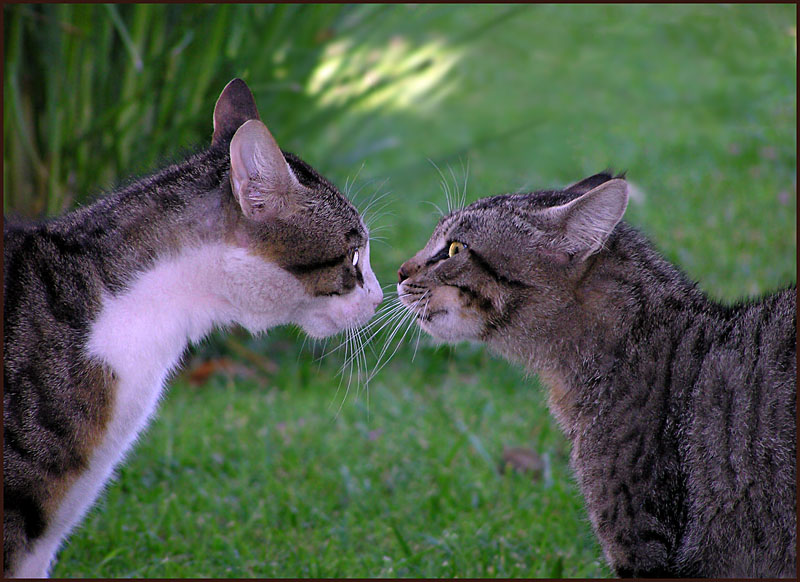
101	303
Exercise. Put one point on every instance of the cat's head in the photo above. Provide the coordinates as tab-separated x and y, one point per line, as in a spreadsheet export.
507	264
298	251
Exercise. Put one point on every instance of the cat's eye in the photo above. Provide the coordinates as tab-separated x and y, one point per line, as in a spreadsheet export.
455	248
355	258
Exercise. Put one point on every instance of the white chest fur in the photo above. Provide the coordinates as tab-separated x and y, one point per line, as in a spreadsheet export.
141	335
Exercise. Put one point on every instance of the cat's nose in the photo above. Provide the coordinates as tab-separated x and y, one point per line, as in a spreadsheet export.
401	274
406	270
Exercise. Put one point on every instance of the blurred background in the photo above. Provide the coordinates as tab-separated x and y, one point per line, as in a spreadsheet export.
257	465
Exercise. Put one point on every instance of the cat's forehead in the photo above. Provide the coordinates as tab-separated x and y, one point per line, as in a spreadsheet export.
330	206
521	202
501	209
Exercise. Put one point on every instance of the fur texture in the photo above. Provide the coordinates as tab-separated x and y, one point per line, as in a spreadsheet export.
680	410
101	303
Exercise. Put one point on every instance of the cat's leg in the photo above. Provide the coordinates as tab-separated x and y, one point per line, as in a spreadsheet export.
81	495
36	563
127	422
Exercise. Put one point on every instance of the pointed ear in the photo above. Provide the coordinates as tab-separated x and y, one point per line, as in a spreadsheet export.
587	184
260	177
234	106
585	223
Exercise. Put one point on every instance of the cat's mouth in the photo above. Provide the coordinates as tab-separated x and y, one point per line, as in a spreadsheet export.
417	302
439	312
427	316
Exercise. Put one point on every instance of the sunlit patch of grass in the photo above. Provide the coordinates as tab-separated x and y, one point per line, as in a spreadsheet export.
393	76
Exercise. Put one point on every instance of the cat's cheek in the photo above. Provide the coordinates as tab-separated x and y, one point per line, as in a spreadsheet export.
453	326
446	318
261	294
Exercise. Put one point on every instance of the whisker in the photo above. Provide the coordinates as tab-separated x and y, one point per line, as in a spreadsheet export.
353	196
367	333
398	312
464	191
455	186
436	206
303	345
444	185
419	331
362	367
381	314
349	380
408	323
339	387
372	215
406	319
377	198
395	316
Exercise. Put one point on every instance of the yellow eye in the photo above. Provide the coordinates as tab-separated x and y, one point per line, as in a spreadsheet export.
455	248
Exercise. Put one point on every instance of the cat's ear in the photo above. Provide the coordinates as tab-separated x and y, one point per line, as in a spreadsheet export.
584	224
260	177
234	106
587	184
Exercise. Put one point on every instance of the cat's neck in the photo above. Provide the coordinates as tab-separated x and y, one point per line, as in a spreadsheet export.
131	230
628	298
164	308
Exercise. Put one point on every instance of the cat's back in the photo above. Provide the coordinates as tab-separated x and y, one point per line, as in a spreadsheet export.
742	441
48	282
754	349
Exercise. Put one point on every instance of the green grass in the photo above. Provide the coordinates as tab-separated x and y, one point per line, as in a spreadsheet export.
264	479
254	473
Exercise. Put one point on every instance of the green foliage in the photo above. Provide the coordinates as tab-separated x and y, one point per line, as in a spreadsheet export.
94	92
254	473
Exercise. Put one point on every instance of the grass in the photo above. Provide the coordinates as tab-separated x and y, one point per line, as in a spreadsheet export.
404	486
252	471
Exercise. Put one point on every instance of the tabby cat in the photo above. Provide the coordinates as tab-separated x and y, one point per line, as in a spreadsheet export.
101	303
680	411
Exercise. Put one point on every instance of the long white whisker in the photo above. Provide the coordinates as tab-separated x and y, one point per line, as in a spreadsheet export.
349	381
444	185
341	379
398	317
405	319
419	329
362	367
377	198
408	323
457	194
347	188
395	317
436	206
372	216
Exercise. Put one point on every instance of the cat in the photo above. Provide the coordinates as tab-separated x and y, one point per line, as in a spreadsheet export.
680	411
101	303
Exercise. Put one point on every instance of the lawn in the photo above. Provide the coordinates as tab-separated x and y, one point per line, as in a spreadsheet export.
261	461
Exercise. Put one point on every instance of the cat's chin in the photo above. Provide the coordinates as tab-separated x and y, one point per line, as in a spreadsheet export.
448	327
336	314
322	329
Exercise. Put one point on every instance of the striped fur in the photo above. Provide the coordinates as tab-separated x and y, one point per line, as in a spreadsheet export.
680	410
100	304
